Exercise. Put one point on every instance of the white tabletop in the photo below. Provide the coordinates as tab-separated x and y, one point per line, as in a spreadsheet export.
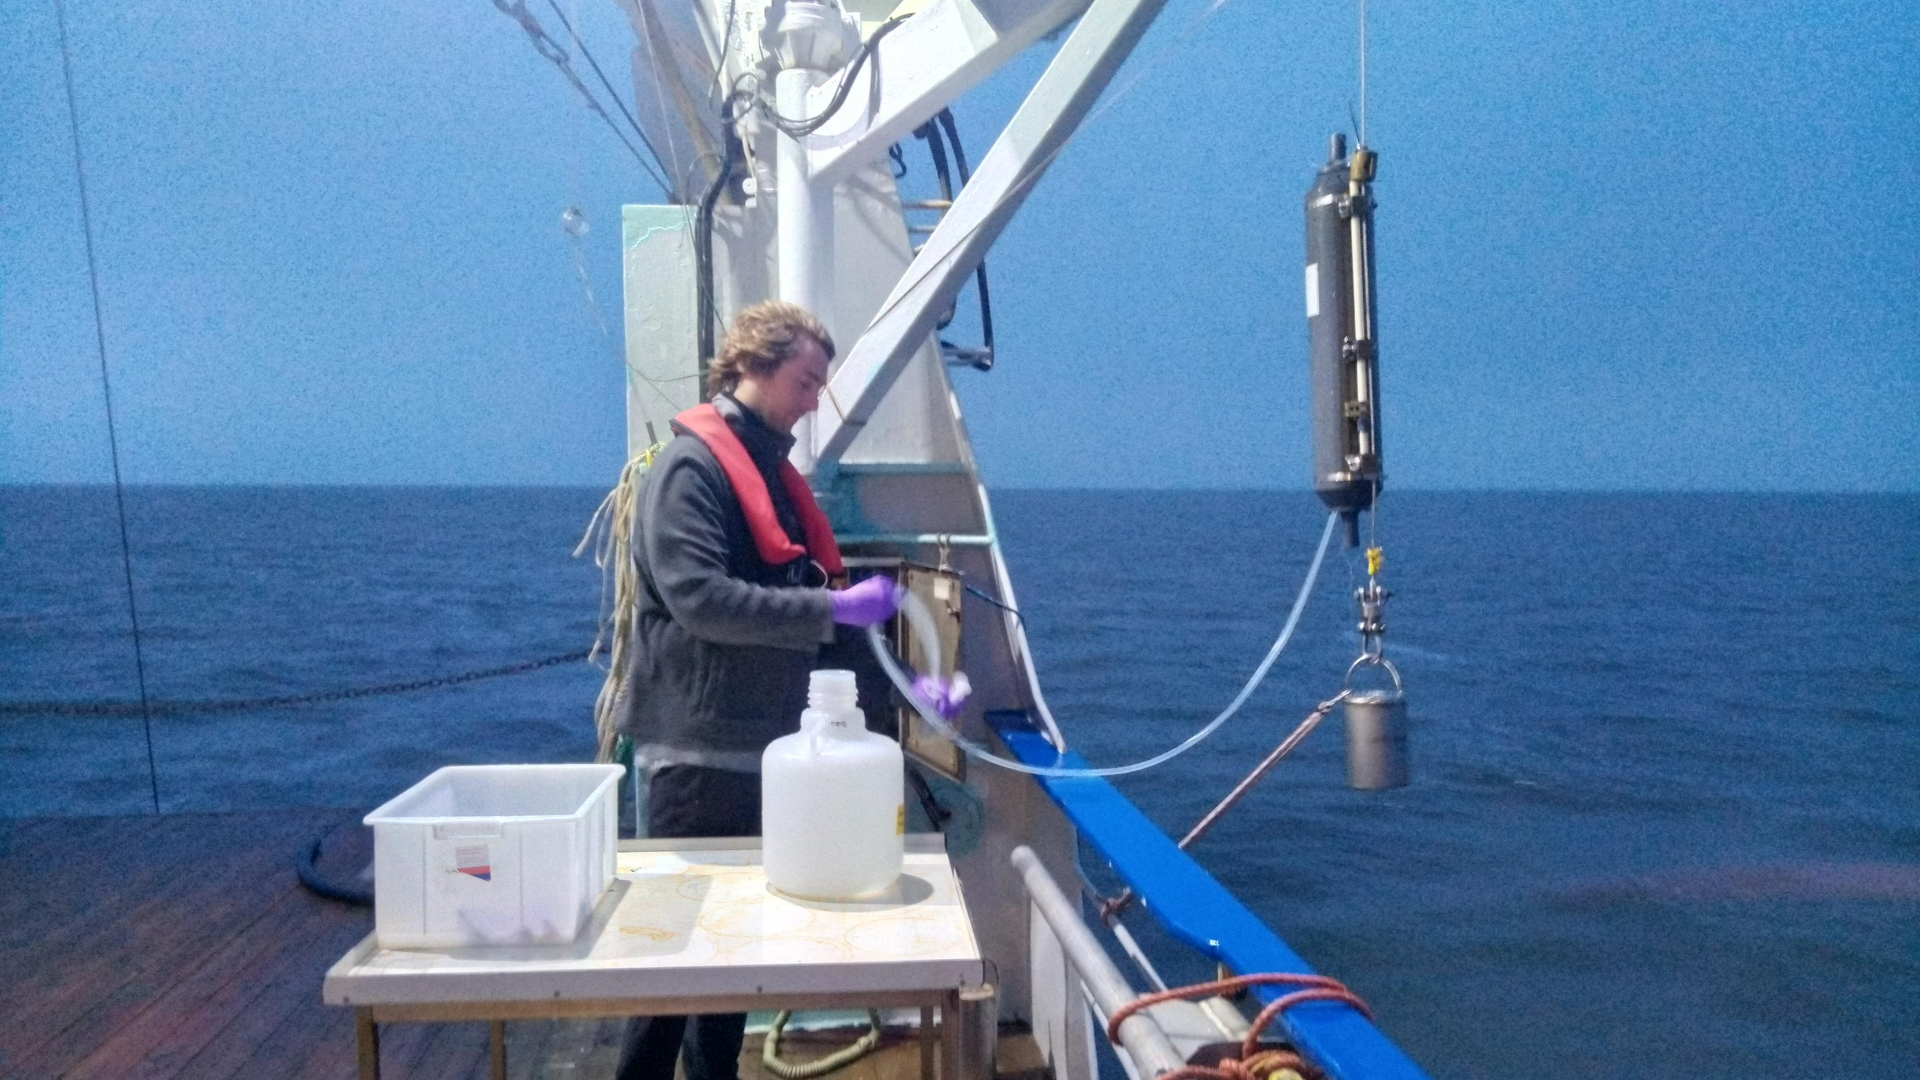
691	918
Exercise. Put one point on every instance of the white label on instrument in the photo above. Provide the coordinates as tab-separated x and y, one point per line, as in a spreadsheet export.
1313	290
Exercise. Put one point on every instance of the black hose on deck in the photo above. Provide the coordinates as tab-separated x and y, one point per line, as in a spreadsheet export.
309	870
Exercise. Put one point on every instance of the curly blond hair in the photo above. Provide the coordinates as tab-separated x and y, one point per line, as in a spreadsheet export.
760	340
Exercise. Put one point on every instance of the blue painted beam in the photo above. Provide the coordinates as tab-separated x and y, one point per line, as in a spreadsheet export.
1198	910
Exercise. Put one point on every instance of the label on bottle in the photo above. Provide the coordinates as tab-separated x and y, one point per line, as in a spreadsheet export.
900	821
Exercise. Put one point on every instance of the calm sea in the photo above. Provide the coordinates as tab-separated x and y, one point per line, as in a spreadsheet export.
1665	815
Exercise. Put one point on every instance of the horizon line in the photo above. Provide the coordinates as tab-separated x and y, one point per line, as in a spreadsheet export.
992	488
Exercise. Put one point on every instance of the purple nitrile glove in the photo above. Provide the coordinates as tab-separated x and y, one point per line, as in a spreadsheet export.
869	602
947	698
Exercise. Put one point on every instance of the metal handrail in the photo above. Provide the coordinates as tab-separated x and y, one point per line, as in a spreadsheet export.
1140	1035
1197	911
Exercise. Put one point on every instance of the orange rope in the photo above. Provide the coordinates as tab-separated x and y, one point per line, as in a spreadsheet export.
1254	1062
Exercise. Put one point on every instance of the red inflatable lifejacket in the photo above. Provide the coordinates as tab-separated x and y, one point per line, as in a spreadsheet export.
705	423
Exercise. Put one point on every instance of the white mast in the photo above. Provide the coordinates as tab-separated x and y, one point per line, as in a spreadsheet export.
812	43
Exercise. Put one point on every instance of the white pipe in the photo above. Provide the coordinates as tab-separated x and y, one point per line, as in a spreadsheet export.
1103	985
805	228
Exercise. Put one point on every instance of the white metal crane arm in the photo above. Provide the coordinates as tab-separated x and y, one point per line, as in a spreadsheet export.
939	54
1054	109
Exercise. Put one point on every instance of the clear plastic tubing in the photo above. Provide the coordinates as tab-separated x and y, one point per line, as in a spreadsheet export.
923	628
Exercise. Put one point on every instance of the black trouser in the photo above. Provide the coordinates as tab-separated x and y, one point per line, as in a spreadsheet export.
689	800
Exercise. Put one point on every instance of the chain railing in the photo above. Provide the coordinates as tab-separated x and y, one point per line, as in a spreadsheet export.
134	708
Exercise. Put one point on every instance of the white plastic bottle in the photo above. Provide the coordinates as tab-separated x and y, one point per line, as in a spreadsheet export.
831	816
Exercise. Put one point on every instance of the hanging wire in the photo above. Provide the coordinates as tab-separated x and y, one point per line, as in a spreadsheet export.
1373	518
106	392
575	224
1363	72
544	44
726	45
660	99
587	55
1373	505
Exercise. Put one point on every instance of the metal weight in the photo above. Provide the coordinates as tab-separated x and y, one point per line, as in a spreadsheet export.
1376	740
1376	731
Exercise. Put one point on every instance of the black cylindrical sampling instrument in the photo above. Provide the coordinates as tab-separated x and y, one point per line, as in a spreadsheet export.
1340	326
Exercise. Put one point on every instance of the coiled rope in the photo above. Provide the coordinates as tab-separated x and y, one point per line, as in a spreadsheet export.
609	536
806	1070
1255	1062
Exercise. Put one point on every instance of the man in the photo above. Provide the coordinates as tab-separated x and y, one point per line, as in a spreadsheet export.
735	558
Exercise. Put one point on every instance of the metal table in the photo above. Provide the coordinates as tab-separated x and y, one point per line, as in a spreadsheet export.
690	926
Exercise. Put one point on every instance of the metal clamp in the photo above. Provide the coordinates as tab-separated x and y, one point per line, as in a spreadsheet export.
1373	618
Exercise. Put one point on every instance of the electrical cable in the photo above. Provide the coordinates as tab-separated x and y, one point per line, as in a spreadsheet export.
917	614
726	45
704	308
798	128
985	361
945	120
930	132
106	391
706	311
996	602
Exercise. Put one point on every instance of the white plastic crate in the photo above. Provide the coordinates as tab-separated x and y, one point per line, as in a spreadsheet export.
494	855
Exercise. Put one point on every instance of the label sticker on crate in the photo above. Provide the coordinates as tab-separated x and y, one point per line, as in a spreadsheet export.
474	860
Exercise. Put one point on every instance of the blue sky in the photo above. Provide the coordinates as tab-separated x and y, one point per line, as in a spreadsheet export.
1622	245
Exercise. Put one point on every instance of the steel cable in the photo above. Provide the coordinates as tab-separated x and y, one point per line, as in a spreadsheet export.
144	707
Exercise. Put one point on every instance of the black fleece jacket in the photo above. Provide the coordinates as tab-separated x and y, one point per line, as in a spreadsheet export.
723	640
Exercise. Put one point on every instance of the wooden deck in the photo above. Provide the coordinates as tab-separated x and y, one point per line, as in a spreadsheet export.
184	945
